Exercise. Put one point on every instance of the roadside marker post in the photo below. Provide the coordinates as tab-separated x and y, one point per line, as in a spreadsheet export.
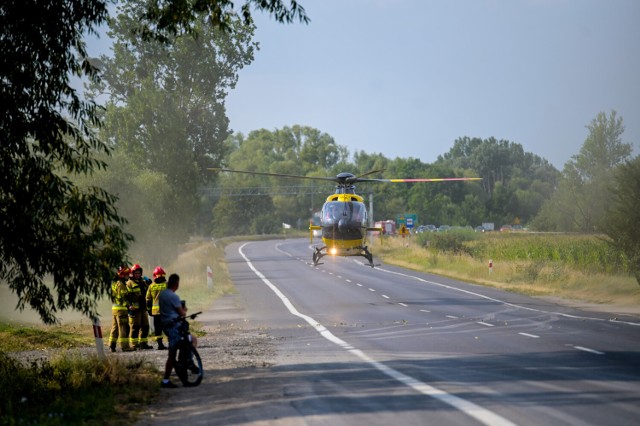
97	333
209	277
490	265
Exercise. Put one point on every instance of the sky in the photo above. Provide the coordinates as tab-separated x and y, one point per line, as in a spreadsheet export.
406	78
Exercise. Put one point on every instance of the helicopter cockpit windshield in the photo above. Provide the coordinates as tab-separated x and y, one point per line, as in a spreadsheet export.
351	212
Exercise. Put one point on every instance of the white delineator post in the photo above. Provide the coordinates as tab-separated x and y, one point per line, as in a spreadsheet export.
209	277
97	333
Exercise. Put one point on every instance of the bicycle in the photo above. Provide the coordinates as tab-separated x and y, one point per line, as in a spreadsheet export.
188	364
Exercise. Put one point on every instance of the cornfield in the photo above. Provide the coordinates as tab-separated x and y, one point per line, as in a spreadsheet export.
588	253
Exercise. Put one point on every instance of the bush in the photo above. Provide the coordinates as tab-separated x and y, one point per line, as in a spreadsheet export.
449	242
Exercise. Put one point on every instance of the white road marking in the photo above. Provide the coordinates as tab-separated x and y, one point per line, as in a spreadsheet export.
370	289
348	281
593	351
471	409
533	336
359	285
451	316
385	296
486	324
424	310
403	304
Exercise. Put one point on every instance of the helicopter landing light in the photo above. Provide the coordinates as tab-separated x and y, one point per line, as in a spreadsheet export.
333	251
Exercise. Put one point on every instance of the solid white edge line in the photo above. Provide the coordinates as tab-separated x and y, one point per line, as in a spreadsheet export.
471	409
533	336
486	324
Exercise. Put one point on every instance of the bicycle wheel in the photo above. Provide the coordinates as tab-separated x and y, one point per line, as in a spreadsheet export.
190	373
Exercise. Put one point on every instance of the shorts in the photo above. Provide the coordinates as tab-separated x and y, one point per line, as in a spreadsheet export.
173	334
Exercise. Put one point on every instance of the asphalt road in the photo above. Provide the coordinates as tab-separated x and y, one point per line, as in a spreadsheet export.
381	346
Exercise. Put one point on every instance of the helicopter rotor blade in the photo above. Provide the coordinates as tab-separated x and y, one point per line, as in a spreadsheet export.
370	172
418	180
344	178
330	179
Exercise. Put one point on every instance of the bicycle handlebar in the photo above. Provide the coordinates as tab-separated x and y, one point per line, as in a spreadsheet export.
184	318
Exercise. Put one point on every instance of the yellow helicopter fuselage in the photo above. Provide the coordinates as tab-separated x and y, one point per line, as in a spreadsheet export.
343	224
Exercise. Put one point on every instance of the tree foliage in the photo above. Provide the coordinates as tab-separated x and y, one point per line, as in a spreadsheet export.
515	183
59	243
164	19
623	215
296	150
579	204
166	107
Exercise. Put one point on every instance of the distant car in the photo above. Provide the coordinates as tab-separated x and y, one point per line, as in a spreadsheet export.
479	228
506	228
420	229
444	228
431	228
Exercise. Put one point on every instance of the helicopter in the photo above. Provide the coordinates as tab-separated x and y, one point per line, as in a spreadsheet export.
344	217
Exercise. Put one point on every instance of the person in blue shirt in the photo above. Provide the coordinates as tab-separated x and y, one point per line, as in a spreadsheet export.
171	308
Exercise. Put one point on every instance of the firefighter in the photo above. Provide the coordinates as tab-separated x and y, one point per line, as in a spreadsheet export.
159	284
138	318
120	324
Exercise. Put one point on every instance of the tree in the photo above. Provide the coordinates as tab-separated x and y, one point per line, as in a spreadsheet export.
623	215
296	150
580	201
166	104
509	174
61	244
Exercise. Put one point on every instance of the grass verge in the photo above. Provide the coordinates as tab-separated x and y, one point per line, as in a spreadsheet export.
526	274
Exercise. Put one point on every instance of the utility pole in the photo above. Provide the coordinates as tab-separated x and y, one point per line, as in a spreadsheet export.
371	222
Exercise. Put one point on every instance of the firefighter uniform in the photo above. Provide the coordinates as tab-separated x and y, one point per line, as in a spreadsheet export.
138	318
153	294
120	320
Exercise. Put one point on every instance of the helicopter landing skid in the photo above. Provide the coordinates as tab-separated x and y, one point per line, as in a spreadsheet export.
367	255
317	255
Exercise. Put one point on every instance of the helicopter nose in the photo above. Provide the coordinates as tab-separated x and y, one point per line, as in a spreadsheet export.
343	224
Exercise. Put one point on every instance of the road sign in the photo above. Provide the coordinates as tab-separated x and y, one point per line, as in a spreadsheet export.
407	219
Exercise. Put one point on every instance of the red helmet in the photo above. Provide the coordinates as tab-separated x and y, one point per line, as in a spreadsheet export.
124	271
158	272
135	268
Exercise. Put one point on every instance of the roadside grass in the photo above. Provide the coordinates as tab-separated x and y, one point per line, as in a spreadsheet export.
14	337
568	267
74	389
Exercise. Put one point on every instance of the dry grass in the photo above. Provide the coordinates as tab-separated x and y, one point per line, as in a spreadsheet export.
192	265
532	277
